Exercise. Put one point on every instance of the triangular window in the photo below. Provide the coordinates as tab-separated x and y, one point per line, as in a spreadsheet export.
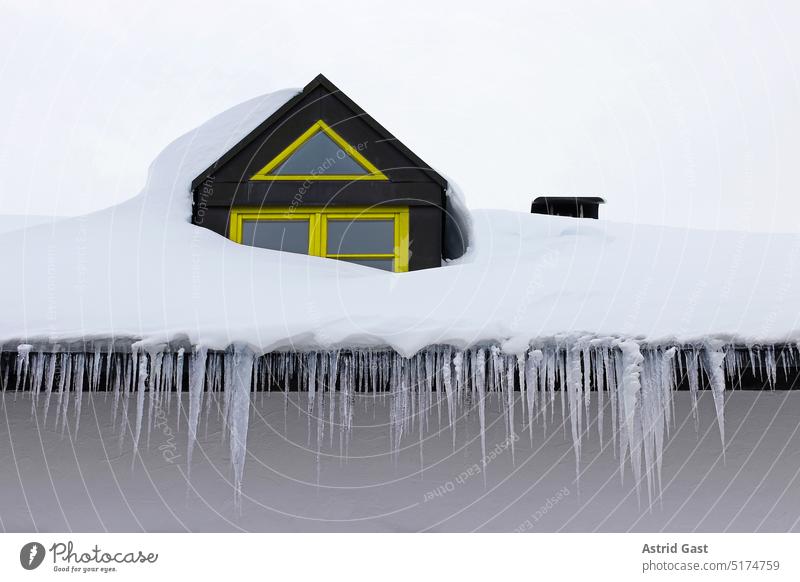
319	154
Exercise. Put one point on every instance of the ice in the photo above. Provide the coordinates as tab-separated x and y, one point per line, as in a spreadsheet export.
23	357
141	374
49	383
311	367
117	385
769	363
79	370
95	370
479	369
574	391
179	385
598	377
628	367
197	378
447	381
636	380
508	386
38	376
63	392
241	363
693	377
521	372
713	358
532	367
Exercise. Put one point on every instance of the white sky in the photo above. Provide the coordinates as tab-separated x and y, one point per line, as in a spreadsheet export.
679	113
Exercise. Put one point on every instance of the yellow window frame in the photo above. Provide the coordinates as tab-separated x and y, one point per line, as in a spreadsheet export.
319	126
318	227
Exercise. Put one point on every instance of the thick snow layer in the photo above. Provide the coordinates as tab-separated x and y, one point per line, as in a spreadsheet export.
141	271
130	272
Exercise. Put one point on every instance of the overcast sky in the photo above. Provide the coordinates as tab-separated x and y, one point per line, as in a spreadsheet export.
678	113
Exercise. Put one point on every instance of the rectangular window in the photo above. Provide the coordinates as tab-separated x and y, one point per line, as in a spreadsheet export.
373	237
280	235
358	236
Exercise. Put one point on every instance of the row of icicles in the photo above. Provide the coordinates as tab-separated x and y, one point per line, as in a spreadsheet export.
637	380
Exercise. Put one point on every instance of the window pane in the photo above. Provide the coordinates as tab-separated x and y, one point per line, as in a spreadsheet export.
360	237
384	264
280	235
319	155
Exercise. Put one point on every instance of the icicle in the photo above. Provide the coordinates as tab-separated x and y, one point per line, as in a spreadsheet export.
713	358
23	358
693	378
311	367
142	383
510	434
575	402
156	361
228	364
532	368
666	380
521	371
167	380
242	363
629	369
322	372
286	387
95	379
80	368
117	386
63	396
127	388
197	377
333	370
447	380
109	358
179	384
51	374
561	375
550	373
652	418
345	402
479	370
771	366
212	385
36	382
609	365
4	377
597	372
429	373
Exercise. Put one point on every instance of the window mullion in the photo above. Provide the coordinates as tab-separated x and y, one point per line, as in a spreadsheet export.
321	233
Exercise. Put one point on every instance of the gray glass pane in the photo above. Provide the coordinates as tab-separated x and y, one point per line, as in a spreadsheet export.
360	237
319	155
384	264
280	235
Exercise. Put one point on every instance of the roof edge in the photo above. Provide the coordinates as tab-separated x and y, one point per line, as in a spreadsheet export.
323	81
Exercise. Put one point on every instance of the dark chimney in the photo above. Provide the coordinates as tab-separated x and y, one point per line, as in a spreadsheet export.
575	206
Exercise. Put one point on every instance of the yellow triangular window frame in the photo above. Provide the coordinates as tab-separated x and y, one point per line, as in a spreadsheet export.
373	173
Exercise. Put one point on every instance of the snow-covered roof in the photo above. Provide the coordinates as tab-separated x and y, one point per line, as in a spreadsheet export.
141	271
